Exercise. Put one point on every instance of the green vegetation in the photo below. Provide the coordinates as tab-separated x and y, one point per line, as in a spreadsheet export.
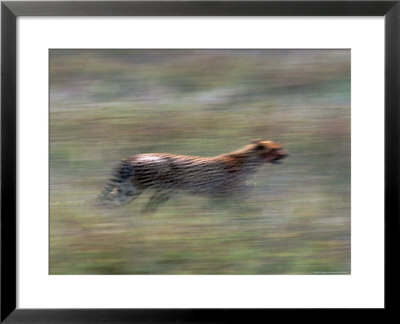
109	104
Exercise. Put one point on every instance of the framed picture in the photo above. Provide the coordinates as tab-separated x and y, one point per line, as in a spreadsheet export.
196	161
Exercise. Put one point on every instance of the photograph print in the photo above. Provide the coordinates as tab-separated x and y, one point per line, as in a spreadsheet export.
186	161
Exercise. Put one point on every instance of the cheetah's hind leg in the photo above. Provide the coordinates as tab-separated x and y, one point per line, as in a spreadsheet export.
118	194
156	200
120	190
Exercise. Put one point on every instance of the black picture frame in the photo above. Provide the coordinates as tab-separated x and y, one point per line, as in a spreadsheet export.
9	13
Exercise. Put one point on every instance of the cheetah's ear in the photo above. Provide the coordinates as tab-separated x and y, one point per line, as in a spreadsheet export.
260	146
256	141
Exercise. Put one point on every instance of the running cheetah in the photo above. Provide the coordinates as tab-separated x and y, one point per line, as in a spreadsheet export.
218	176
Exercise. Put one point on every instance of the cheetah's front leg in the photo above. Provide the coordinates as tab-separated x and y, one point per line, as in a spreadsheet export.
158	198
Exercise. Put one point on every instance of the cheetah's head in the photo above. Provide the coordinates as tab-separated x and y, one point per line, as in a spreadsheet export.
269	151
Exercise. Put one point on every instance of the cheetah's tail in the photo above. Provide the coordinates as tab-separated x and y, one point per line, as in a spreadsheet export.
119	190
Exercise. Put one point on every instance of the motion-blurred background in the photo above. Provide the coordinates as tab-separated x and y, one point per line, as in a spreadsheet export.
106	105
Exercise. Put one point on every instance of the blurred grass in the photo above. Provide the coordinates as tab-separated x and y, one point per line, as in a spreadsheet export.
109	104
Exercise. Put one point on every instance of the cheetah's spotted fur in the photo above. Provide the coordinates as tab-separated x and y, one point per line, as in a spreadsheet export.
219	176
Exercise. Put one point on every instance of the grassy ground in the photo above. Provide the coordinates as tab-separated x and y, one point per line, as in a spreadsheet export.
109	104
